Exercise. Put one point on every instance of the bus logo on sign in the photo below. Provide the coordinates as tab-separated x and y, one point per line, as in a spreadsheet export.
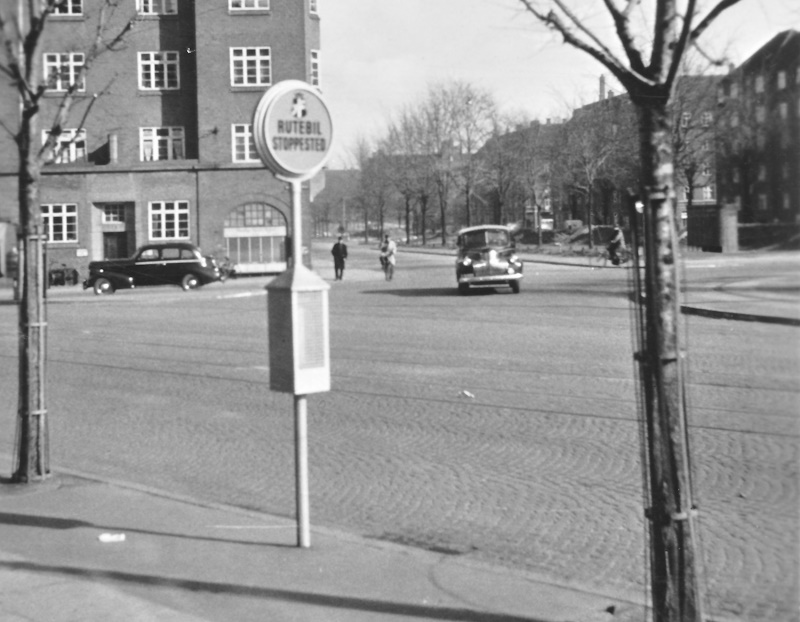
292	130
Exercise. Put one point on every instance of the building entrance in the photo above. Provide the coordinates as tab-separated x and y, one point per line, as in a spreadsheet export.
255	239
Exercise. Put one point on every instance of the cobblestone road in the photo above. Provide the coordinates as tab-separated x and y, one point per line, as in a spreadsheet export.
495	426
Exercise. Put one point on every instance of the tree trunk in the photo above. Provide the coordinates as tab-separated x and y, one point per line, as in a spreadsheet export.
675	587
32	448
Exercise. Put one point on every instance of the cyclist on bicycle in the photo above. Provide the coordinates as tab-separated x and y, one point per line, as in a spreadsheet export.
617	243
388	252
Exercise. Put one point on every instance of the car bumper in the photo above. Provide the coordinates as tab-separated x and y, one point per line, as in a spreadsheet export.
489	279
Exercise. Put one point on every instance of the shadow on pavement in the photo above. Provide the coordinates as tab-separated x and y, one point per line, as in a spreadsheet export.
304	598
52	522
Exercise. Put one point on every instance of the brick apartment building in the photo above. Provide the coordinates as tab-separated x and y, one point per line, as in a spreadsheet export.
759	134
166	151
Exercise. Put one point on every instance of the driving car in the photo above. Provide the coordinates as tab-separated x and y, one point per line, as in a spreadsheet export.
487	258
170	263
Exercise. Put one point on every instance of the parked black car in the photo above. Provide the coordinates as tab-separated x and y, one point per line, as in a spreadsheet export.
487	258
171	263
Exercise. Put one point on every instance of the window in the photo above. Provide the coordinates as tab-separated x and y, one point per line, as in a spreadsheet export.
244	149
706	170
783	110
736	176
312	7
761	114
169	220
785	171
69	7
315	67
735	119
157	7
160	143
248	5
787	203
762	202
685	118
159	70
762	172
735	90
706	145
250	67
709	193
761	140
781	80
759	83
62	70
707	118
113	213
61	222
70	146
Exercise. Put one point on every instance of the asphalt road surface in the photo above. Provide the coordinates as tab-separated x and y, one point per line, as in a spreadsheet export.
496	426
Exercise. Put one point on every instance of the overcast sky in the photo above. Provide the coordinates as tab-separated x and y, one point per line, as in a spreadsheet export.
380	54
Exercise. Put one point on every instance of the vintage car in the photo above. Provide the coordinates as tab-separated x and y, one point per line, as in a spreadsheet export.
487	258
170	263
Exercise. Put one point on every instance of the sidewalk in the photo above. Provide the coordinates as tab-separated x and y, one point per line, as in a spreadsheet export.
186	561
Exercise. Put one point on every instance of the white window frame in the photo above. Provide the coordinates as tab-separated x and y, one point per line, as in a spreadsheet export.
157	7
242	142
60	65
707	119
65	215
314	73
761	114
706	169
168	217
113	213
735	90
708	193
257	58
70	146
783	110
165	63
161	143
759	83
68	7
685	118
762	202
248	5
313	7
781	80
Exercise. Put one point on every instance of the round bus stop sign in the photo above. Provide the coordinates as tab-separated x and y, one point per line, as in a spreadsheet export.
292	129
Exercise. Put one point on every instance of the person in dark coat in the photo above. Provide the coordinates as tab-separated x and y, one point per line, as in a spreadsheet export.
339	252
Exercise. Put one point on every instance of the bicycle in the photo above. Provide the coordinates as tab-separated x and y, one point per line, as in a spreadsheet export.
387	267
623	256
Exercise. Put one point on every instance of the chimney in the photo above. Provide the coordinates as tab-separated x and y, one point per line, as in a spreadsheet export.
602	87
113	148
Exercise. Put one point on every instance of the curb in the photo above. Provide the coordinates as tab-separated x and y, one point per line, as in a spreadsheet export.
742	317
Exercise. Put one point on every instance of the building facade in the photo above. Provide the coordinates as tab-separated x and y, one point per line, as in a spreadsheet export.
759	134
159	145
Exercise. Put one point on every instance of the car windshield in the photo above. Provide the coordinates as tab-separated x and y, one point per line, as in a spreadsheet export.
485	237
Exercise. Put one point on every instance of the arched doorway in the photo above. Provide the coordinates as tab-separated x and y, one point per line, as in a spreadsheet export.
255	239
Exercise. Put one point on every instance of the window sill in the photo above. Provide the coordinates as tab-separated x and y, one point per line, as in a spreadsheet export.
248	12
248	88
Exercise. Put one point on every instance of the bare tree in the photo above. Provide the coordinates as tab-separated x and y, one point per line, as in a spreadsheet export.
647	65
21	29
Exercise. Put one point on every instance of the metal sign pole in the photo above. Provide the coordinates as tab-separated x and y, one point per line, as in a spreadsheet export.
300	406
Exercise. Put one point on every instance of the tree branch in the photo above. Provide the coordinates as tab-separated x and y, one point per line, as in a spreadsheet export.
623	32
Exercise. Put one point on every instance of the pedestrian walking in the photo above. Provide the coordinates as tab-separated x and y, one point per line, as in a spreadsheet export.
339	252
388	256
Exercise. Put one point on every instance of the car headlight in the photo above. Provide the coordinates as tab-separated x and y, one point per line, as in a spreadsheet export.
466	261
513	259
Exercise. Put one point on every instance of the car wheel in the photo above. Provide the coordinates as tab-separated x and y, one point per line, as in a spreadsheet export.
190	281
103	286
514	286
463	288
